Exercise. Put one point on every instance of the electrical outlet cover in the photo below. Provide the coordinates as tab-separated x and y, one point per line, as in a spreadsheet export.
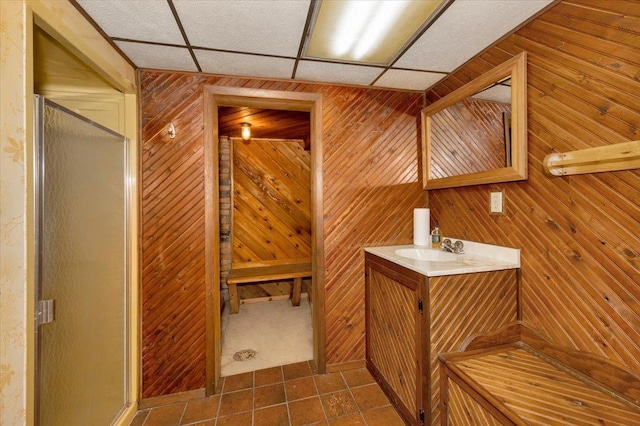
495	202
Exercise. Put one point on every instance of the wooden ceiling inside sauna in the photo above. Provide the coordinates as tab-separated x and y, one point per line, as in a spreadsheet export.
265	123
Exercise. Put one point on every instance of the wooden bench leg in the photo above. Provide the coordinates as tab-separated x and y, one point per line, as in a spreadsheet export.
295	291
233	298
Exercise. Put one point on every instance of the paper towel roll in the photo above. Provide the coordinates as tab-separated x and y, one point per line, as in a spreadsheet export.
421	232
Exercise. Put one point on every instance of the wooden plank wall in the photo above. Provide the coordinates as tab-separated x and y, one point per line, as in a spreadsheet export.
271	200
271	207
579	235
468	137
371	142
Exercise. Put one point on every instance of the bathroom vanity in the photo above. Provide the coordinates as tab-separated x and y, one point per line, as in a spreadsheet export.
421	302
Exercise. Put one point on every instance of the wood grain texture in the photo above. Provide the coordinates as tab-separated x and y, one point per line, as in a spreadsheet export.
580	235
394	336
468	137
271	201
265	123
465	411
538	393
461	305
371	185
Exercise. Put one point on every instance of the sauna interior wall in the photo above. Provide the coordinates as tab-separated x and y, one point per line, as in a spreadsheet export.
579	235
371	143
271	207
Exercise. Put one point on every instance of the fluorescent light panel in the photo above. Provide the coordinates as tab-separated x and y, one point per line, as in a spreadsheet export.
369	31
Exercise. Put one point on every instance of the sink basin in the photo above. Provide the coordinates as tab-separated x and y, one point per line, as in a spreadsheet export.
428	254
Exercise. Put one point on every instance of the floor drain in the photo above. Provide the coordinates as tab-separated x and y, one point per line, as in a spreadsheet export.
244	355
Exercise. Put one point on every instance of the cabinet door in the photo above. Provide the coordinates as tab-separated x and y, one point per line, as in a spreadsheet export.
394	328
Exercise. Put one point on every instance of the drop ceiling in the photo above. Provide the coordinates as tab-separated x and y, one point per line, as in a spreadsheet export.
266	38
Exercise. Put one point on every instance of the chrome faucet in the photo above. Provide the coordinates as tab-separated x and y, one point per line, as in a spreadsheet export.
457	247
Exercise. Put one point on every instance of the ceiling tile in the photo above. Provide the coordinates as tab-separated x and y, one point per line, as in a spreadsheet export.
466	28
271	27
145	20
159	57
500	94
408	80
336	73
244	65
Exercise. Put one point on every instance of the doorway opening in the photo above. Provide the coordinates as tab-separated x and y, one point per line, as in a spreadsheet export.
221	97
265	238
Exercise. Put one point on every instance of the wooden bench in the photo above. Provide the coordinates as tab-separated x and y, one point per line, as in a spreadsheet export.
515	377
296	270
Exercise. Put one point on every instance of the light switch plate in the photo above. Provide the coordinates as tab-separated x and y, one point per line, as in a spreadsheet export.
496	202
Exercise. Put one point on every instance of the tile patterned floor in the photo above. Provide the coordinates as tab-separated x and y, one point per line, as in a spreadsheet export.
286	395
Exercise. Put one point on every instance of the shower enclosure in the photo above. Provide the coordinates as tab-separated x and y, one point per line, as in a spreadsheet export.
81	269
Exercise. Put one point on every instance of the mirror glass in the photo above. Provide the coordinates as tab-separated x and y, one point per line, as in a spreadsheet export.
477	134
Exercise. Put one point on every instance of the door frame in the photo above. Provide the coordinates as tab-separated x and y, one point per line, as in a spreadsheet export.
215	96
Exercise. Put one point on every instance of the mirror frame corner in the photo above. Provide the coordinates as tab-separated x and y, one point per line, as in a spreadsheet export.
516	67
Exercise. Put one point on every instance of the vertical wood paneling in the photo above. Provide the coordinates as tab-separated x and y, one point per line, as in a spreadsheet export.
371	185
580	235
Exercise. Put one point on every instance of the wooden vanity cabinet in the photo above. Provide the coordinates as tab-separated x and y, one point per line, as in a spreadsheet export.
411	318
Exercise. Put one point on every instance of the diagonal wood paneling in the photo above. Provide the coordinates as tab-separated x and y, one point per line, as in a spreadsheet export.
271	200
489	303
371	185
394	335
465	411
271	207
172	245
540	393
580	235
468	137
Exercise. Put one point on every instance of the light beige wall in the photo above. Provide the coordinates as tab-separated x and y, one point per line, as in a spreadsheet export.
60	19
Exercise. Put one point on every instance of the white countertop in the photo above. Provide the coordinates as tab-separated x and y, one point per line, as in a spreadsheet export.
477	257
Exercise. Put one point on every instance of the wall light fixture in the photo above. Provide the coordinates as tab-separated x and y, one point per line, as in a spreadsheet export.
246	131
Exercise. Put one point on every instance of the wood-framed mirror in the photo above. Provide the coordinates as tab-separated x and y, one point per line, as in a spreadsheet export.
478	133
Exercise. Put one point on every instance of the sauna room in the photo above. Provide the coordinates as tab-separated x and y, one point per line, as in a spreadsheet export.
210	216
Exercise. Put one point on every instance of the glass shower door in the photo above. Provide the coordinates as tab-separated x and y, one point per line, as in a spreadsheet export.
82	275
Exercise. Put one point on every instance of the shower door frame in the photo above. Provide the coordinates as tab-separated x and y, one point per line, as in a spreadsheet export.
39	184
